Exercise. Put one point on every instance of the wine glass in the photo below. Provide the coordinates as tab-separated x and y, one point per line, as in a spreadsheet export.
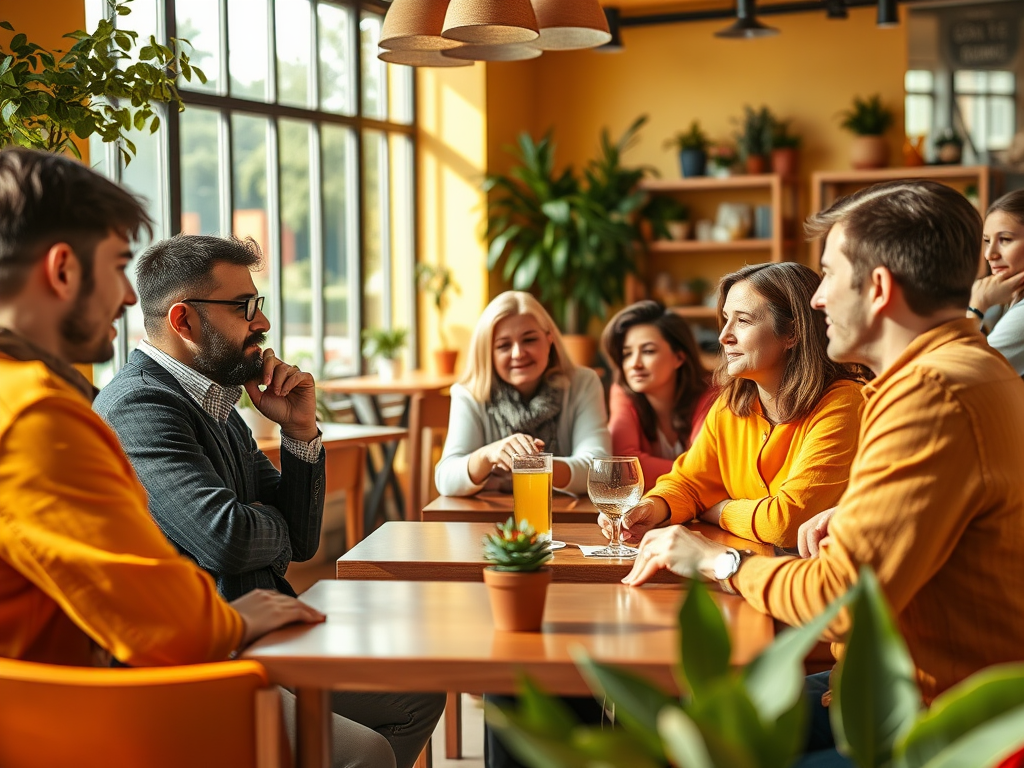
615	485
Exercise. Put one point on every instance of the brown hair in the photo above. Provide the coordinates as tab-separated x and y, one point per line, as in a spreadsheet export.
788	288
926	234
47	199
479	375
691	377
1011	203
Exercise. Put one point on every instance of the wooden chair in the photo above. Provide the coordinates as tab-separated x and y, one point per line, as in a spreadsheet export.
430	412
221	714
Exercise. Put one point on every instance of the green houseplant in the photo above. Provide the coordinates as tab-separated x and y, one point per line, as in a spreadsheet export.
755	716
436	281
48	99
517	580
384	345
785	150
570	238
692	146
868	119
754	137
664	215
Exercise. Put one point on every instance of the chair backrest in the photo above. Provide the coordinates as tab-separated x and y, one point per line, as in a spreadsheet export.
430	411
219	714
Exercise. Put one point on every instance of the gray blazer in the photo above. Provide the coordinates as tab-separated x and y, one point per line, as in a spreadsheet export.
216	496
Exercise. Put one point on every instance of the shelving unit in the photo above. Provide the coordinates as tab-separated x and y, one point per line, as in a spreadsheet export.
829	186
689	259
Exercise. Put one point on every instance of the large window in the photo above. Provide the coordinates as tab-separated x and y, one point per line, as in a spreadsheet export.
301	139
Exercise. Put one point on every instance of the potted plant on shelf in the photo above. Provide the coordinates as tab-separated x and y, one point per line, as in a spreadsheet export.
692	146
570	239
517	580
437	281
785	150
666	218
383	345
721	159
949	147
868	120
754	139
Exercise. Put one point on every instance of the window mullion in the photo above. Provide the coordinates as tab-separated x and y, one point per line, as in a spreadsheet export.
316	248
274	236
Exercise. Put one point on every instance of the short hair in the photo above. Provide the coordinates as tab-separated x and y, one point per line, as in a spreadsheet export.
926	234
182	267
809	372
1011	203
691	377
47	199
478	377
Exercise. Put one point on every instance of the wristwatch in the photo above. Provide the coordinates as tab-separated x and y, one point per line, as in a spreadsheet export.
726	564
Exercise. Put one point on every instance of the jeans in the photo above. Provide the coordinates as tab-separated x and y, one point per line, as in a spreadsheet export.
820	750
376	730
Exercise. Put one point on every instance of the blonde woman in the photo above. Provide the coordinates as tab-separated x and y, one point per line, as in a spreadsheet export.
521	394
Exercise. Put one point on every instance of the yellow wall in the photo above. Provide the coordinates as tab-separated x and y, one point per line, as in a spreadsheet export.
44	23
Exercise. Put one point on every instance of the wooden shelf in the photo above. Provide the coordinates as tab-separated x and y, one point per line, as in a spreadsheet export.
709	246
696	312
707	183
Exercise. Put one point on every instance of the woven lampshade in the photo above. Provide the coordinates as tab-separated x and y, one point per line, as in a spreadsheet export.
567	25
490	22
415	25
512	52
422	59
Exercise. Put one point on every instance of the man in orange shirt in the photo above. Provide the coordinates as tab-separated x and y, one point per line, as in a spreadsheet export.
935	504
83	567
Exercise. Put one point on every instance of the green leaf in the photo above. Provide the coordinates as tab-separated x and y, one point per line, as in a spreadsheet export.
7	25
18	41
684	742
637	702
705	647
733	733
962	709
530	747
560	258
526	274
498	245
8	110
775	679
557	210
986	745
154	126
875	695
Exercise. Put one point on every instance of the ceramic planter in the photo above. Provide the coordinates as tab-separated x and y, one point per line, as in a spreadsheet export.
679	230
786	162
692	162
756	164
517	599
580	348
868	152
389	369
445	359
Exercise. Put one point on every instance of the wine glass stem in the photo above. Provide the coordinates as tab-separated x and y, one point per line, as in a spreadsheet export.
616	533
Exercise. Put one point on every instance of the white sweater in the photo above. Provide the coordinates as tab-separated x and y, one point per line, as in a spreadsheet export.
582	435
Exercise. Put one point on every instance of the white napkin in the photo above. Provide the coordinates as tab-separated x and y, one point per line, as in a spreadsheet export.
589	551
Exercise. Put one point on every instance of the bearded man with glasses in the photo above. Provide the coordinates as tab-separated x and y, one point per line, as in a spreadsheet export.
216	496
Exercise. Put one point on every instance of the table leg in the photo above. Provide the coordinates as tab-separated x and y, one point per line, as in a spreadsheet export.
382	478
313	726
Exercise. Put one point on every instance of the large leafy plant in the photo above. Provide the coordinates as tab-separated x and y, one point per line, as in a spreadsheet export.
571	239
755	717
96	86
867	117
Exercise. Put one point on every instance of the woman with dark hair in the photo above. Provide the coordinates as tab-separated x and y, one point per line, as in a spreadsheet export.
661	392
776	447
996	298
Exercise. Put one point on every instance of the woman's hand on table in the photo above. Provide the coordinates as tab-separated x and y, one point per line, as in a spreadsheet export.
677	549
649	513
499	455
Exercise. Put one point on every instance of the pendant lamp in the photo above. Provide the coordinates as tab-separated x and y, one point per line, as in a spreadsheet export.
615	44
512	52
888	16
567	25
746	25
422	59
490	22
415	25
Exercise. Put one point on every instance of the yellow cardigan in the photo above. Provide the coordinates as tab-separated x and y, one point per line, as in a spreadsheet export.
81	560
777	476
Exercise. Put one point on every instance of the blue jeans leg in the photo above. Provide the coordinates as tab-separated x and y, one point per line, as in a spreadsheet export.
820	751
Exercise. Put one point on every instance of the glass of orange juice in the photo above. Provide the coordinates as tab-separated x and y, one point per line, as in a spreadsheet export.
531	491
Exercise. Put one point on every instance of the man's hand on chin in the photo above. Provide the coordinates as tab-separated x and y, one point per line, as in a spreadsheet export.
289	398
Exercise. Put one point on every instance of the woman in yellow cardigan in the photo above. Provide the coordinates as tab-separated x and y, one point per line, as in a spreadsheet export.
777	444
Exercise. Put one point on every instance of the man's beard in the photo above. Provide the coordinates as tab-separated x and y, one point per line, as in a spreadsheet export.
221	361
89	340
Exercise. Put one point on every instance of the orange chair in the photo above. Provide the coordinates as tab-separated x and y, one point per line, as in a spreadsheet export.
221	714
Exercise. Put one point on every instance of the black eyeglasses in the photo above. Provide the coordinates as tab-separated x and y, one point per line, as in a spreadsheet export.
252	305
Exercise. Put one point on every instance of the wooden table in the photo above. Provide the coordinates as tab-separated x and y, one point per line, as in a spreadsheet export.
416	387
410	551
344	453
495	507
438	636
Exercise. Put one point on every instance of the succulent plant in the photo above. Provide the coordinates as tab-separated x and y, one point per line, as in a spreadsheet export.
516	548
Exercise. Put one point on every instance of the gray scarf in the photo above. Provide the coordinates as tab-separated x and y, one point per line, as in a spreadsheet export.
537	417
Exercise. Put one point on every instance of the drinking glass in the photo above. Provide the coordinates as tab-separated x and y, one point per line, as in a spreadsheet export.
615	485
531	491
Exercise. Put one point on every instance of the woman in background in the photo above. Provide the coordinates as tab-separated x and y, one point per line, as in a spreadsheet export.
661	393
776	447
996	298
521	394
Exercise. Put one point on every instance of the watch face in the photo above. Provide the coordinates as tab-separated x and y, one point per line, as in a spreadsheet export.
726	564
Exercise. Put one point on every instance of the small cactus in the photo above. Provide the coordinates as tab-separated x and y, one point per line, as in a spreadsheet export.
515	548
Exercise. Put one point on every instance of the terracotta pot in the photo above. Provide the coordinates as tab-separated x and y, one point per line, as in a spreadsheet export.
580	347
868	152
756	164
786	162
445	360
517	599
